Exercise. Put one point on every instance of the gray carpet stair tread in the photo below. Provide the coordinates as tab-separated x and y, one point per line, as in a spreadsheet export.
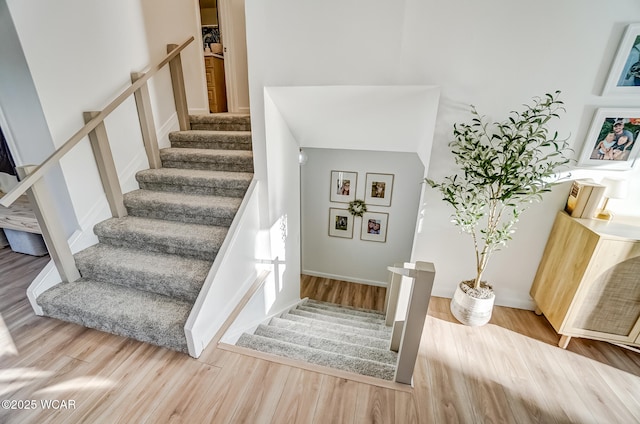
344	308
196	181
227	121
327	318
201	241
115	309
189	208
346	328
332	333
342	314
318	357
220	117
242	160
210	139
326	344
206	155
169	275
196	177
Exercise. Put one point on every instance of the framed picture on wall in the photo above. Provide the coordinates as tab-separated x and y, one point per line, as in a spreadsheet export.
210	35
378	189
611	142
343	186
374	226
340	223
624	76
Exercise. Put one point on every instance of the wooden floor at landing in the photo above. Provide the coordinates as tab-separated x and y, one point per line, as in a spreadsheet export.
509	371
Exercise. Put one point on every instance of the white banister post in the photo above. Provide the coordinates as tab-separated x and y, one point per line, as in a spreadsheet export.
52	233
391	301
147	126
106	166
179	92
414	323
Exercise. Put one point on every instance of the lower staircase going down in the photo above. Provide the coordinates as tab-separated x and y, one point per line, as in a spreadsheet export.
143	277
336	336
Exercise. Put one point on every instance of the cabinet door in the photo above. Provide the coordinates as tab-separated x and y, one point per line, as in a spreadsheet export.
609	305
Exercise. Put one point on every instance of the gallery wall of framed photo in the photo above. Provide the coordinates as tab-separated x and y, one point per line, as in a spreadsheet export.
359	212
611	141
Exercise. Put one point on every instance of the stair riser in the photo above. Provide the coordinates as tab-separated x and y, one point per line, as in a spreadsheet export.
198	252
328	319
344	309
207	216
321	324
222	126
122	311
98	323
344	336
187	189
210	166
339	314
327	345
329	359
213	145
140	281
200	217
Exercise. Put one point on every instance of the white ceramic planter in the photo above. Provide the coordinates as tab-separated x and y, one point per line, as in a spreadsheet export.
469	310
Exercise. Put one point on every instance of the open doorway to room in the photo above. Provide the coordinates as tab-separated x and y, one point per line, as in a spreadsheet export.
213	56
225	55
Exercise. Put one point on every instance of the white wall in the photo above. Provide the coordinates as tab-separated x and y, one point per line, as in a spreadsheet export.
23	122
283	220
81	54
495	54
355	259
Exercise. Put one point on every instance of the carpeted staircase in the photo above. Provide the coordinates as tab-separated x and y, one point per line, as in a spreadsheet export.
341	337
142	278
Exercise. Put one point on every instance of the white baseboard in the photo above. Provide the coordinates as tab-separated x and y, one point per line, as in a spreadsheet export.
345	278
199	111
508	301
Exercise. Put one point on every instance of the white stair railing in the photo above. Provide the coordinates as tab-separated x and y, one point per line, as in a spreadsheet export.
406	308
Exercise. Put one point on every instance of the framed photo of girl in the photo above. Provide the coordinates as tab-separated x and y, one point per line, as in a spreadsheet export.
374	226
378	189
611	142
624	76
343	186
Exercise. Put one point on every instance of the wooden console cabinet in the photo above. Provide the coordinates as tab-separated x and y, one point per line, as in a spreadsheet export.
217	93
588	281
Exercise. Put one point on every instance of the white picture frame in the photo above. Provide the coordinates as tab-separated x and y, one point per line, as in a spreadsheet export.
374	226
606	122
624	75
340	223
378	189
341	181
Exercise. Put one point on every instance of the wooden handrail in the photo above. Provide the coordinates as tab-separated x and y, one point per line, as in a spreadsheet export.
37	173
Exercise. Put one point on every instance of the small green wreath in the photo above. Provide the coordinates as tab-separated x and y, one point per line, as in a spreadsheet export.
357	207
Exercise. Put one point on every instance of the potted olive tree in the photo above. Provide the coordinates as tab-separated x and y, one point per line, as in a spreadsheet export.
503	167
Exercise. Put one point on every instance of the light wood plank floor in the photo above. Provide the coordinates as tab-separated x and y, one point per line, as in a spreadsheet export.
509	371
342	292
